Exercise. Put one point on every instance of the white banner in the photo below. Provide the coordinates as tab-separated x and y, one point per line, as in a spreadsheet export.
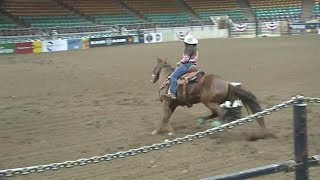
272	25
182	34
152	37
318	31
55	45
240	27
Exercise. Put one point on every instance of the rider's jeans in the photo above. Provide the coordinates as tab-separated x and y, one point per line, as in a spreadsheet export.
177	73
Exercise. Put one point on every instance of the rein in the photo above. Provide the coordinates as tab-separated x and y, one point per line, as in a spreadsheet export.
165	82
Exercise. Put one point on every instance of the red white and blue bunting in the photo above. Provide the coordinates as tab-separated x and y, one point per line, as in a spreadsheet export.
272	25
240	27
182	34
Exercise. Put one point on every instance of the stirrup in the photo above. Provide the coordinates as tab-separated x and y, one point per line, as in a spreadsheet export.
172	96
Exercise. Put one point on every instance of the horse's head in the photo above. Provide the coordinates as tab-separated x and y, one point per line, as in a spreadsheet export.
160	63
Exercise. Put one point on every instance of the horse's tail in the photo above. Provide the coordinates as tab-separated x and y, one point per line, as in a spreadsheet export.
248	99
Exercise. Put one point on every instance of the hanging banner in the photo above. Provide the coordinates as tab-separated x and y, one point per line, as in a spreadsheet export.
37	47
55	45
181	34
240	27
24	48
152	37
272	25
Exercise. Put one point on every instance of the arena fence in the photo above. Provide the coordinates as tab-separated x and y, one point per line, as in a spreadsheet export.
301	163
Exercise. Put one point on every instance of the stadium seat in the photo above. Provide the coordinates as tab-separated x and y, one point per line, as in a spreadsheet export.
42	14
280	9
5	22
316	8
105	12
205	8
159	11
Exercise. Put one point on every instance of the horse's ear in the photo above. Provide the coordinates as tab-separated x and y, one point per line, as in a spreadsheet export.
166	60
158	59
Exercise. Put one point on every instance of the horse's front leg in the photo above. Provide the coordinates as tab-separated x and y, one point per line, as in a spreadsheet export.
165	126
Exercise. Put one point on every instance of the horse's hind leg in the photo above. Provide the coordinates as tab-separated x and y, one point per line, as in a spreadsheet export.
217	111
213	115
168	109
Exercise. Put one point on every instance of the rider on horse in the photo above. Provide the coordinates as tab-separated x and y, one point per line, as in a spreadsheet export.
189	59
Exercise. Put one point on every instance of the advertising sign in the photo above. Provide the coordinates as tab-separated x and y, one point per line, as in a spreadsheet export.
297	28
37	47
152	37
8	48
74	44
109	41
24	48
85	43
97	42
54	45
135	39
117	40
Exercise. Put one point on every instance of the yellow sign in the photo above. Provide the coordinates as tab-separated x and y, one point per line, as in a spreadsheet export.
85	43
37	47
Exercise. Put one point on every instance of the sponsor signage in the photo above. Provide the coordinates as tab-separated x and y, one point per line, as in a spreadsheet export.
24	48
74	44
297	26
7	48
135	39
54	45
85	43
111	41
37	47
152	37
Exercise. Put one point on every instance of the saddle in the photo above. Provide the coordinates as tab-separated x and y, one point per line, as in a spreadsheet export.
192	76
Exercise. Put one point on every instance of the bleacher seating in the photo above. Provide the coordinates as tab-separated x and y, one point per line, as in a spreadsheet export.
44	13
159	11
205	8
316	8
280	9
50	14
106	12
5	22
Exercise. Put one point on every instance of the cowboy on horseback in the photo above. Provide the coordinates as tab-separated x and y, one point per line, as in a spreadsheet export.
189	59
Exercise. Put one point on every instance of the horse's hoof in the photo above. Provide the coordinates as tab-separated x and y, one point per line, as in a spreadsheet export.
154	132
201	121
170	133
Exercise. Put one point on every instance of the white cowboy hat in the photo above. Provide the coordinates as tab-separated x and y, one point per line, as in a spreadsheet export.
189	39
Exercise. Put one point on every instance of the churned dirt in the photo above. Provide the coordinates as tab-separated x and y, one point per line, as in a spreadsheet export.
70	105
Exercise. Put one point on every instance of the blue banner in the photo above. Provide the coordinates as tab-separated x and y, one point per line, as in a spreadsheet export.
74	44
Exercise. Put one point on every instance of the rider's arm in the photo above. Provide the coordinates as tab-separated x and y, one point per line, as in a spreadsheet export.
187	58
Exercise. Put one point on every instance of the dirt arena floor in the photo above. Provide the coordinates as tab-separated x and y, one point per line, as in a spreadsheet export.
78	104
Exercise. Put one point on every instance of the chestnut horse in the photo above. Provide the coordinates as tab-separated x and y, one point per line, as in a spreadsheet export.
209	89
